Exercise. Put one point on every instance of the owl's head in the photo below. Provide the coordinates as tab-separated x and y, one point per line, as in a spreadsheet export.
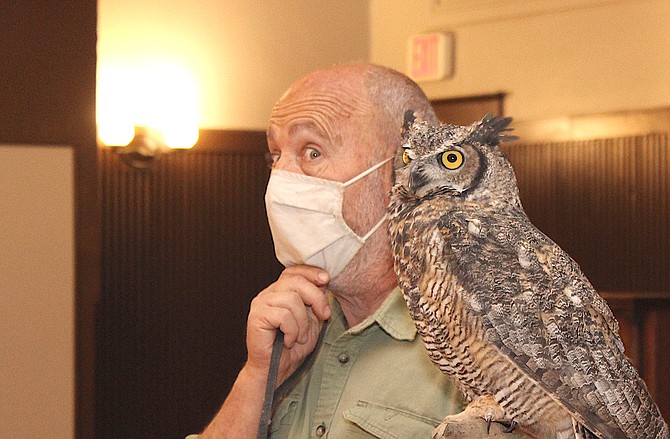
463	162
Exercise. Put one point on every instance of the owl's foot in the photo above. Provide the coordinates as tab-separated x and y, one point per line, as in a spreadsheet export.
467	424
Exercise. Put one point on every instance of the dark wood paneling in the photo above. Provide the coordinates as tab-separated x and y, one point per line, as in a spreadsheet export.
185	247
656	345
47	97
644	323
466	110
48	71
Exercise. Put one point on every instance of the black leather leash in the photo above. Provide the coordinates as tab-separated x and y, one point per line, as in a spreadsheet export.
270	393
266	414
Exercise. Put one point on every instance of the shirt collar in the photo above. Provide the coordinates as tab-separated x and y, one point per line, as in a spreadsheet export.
392	316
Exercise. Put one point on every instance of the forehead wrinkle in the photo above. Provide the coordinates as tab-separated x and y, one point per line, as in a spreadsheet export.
324	109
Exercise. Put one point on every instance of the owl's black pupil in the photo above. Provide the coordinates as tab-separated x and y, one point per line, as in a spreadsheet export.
451	158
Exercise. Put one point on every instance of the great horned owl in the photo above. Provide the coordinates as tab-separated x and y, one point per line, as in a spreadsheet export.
500	307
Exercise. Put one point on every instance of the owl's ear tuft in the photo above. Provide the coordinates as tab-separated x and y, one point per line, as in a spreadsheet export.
409	119
491	128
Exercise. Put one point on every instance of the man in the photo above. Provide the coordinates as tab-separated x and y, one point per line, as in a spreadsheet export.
332	134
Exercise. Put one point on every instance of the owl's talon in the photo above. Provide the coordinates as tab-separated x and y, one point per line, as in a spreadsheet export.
489	419
509	427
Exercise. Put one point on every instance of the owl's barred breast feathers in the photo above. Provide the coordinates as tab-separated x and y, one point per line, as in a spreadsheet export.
501	308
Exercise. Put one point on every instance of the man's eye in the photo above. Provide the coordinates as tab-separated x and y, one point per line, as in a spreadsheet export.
313	153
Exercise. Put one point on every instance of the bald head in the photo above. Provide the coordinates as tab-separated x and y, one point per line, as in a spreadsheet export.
354	99
335	100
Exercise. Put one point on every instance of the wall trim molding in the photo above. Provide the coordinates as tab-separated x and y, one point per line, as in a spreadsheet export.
482	11
594	126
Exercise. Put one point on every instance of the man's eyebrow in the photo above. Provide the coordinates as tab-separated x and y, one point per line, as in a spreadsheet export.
309	125
306	125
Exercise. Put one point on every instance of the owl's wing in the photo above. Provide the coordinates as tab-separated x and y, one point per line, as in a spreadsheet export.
541	311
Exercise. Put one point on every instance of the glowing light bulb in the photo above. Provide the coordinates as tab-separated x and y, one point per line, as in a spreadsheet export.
158	94
116	132
181	136
115	123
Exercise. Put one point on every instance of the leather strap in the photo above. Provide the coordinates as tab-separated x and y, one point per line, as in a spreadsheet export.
266	414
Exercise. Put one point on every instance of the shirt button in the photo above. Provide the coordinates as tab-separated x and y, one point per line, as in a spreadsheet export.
320	430
343	358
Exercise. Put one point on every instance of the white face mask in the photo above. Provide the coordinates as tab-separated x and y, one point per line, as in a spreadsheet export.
305	217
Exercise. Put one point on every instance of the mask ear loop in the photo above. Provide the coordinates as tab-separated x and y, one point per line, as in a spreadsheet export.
367	172
358	177
375	227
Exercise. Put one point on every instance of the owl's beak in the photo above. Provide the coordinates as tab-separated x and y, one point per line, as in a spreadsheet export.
417	179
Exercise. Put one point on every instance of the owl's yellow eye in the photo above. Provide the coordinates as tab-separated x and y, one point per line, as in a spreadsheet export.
451	159
405	157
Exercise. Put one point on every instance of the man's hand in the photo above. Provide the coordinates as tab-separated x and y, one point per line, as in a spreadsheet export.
297	305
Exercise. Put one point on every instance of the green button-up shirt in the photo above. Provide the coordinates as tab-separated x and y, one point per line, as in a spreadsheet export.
374	380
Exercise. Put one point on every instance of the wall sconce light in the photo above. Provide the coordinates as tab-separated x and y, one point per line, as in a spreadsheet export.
147	144
147	111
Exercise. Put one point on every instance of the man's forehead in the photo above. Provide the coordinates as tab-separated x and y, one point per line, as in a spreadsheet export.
334	103
342	88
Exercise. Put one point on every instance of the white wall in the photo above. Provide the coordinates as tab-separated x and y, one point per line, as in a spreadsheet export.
553	58
244	54
36	292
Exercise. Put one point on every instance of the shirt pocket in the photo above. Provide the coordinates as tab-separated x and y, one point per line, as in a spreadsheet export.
283	419
385	422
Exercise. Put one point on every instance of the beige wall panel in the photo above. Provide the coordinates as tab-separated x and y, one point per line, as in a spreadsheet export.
36	292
